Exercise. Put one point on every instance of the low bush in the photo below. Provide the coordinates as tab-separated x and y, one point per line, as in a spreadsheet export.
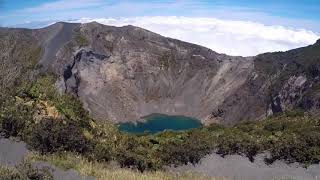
24	171
110	171
15	117
53	135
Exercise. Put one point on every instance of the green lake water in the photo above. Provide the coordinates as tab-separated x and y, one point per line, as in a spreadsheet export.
159	122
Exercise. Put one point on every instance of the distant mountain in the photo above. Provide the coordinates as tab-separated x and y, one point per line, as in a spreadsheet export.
124	73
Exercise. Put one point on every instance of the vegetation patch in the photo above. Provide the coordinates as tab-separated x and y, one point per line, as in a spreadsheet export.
111	171
24	171
80	39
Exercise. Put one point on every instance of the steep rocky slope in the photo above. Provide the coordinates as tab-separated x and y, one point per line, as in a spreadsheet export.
124	73
279	82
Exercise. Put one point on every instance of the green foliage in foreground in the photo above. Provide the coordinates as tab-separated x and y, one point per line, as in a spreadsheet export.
110	171
24	171
290	136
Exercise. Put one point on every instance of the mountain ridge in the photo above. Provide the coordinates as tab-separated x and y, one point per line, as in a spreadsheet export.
124	73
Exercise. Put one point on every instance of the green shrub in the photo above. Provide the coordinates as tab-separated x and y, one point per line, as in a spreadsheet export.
53	135
103	152
7	173
68	105
134	152
177	148
238	142
303	148
296	113
274	126
15	117
24	171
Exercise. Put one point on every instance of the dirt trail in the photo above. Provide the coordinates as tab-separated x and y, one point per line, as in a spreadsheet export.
13	152
236	167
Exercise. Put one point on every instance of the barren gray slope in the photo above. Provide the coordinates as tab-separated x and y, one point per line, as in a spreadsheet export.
237	167
52	39
11	152
126	73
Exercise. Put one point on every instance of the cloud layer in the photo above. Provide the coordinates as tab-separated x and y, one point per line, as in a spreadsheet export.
224	36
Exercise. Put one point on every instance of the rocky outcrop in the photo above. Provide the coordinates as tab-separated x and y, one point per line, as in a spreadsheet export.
124	73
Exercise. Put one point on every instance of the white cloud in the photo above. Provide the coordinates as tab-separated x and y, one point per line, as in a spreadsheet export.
63	5
243	38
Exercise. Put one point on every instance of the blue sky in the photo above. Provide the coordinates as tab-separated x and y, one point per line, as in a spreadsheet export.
222	25
293	13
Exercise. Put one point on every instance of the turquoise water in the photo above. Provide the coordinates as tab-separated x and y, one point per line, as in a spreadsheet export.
159	122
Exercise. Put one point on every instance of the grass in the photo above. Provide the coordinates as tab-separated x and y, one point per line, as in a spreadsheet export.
109	171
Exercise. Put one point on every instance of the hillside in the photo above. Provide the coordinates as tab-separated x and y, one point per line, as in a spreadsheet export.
124	73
